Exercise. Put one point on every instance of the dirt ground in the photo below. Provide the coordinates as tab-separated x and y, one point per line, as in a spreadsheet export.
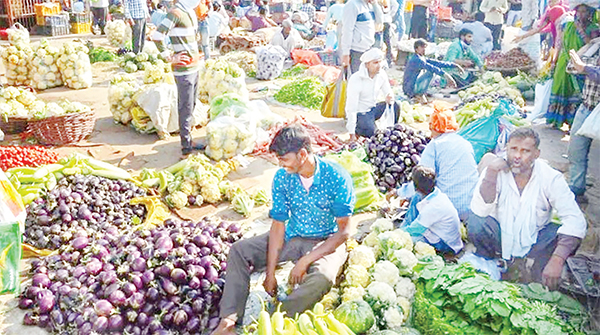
121	145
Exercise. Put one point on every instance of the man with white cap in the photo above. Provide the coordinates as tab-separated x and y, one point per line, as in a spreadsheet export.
287	37
180	25
365	88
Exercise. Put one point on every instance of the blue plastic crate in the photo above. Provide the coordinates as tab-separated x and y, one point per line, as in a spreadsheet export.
58	20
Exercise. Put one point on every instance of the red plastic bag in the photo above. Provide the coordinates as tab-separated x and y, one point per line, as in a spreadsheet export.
308	57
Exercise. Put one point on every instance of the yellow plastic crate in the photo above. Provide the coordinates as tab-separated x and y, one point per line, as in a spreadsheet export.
45	9
81	28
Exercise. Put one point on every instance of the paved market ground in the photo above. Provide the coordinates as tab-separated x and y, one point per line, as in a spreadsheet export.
123	146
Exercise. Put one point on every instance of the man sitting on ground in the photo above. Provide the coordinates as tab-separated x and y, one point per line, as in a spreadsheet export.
512	210
287	37
437	221
313	200
461	53
365	88
419	72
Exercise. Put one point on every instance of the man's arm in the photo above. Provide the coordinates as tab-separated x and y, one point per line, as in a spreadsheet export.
485	6
349	20
571	232
276	240
328	247
503	7
162	32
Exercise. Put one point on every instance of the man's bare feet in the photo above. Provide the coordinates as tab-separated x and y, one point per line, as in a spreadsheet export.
226	327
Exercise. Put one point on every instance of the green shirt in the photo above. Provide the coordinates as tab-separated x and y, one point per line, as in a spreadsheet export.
179	27
458	50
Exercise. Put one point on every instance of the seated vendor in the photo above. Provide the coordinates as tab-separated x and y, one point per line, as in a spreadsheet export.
365	89
287	37
313	200
419	72
461	53
302	25
437	220
260	20
453	159
513	206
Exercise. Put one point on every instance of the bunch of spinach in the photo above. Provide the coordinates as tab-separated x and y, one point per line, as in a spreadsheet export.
472	303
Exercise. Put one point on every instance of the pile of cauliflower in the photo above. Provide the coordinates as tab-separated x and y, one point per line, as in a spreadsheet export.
217	76
160	72
19	102
379	271
43	69
118	33
198	182
16	59
74	65
121	90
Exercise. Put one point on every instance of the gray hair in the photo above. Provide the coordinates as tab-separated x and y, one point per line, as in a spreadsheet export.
525	132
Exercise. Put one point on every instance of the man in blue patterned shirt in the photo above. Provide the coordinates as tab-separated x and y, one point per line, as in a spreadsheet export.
313	200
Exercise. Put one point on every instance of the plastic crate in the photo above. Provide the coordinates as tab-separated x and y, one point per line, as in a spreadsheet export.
22	11
445	13
58	20
81	28
445	29
47	8
80	17
55	30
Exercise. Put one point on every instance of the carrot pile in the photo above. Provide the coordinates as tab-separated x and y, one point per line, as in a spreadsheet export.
322	141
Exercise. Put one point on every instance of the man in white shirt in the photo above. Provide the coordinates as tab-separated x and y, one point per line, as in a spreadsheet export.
365	87
494	17
482	36
512	210
100	12
287	37
437	221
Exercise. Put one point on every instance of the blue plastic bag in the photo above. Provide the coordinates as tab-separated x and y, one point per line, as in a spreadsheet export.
483	133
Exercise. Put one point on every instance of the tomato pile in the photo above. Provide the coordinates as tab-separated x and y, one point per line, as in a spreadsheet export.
16	156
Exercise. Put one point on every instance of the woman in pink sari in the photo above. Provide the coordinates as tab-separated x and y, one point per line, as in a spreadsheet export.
549	21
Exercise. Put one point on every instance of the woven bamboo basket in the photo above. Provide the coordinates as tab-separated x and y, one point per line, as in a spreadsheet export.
63	129
13	125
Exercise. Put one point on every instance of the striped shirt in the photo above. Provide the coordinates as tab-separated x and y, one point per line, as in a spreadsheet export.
136	9
181	30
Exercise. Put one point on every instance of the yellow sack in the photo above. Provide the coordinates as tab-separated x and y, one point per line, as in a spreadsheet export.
158	212
334	104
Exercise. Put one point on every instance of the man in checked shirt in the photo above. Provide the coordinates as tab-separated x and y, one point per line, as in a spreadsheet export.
579	146
136	13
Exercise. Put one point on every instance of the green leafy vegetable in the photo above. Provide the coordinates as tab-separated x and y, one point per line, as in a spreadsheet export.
308	92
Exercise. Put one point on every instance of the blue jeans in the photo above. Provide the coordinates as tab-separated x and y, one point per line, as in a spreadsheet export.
484	233
407	21
432	26
423	82
579	148
204	37
400	24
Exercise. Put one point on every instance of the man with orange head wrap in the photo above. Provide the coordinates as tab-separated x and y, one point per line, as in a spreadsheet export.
452	158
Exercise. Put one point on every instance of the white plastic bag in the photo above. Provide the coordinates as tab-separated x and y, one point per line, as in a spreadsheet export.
388	119
591	126
270	60
488	266
542	100
531	46
230	136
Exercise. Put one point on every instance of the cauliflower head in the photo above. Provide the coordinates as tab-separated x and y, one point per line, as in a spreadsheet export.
386	272
331	299
381	292
357	275
405	288
403	303
352	293
211	193
362	255
381	225
177	199
394	240
405	260
393	317
423	249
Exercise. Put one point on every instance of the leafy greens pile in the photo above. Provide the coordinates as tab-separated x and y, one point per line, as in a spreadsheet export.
308	92
456	299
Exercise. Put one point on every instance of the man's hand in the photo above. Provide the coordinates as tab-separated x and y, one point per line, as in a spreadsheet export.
270	285
130	22
353	138
389	99
578	64
450	80
298	272
552	272
181	58
498	164
345	60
